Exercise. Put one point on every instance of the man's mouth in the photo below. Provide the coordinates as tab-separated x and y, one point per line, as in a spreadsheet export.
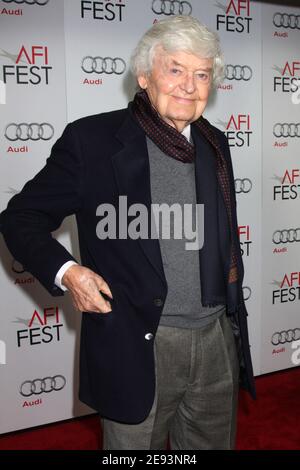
183	100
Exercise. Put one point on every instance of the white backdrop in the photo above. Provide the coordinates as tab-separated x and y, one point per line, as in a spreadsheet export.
51	77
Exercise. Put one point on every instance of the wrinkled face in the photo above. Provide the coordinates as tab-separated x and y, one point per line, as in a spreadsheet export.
178	86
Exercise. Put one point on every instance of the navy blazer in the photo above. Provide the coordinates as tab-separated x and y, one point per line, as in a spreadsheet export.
97	159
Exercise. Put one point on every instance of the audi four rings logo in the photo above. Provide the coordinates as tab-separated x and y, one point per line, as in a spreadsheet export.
171	7
17	267
46	385
285	129
243	185
28	2
286	236
288	336
33	131
247	292
283	20
106	65
238	72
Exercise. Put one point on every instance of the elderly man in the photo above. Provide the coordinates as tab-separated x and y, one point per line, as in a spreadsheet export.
164	337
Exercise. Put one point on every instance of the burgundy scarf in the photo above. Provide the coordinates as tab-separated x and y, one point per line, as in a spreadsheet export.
175	145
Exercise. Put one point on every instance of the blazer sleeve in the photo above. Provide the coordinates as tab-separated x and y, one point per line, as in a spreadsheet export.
39	209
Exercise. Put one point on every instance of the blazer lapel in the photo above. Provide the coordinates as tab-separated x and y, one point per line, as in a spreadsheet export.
131	167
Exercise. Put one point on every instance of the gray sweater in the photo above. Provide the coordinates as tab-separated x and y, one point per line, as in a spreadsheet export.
174	182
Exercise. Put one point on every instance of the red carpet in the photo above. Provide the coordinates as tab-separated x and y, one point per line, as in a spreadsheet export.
270	422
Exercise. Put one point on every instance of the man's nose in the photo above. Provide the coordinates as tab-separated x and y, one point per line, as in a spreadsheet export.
188	83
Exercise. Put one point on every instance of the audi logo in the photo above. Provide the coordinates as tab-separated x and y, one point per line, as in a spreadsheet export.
106	65
46	385
286	129
17	267
286	236
288	336
246	293
242	185
171	7
33	131
283	20
28	2
238	72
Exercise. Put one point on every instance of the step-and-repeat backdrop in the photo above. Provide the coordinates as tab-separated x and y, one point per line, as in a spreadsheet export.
61	60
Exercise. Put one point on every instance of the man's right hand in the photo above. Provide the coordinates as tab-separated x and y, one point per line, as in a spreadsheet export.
85	286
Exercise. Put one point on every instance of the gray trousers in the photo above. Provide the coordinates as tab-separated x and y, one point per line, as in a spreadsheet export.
195	403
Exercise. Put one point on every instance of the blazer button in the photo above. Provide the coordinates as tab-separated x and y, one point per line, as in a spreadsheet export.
149	336
158	302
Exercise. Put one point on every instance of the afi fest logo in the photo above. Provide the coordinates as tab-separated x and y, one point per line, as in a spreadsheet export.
237	130
31	66
236	17
109	10
48	328
288	289
289	187
287	78
245	239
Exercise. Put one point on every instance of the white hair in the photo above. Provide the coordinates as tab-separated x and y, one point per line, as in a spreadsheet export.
178	33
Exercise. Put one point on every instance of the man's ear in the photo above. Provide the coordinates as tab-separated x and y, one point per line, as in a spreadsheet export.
142	81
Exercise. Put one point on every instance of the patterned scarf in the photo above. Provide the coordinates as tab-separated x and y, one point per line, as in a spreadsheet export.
175	145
